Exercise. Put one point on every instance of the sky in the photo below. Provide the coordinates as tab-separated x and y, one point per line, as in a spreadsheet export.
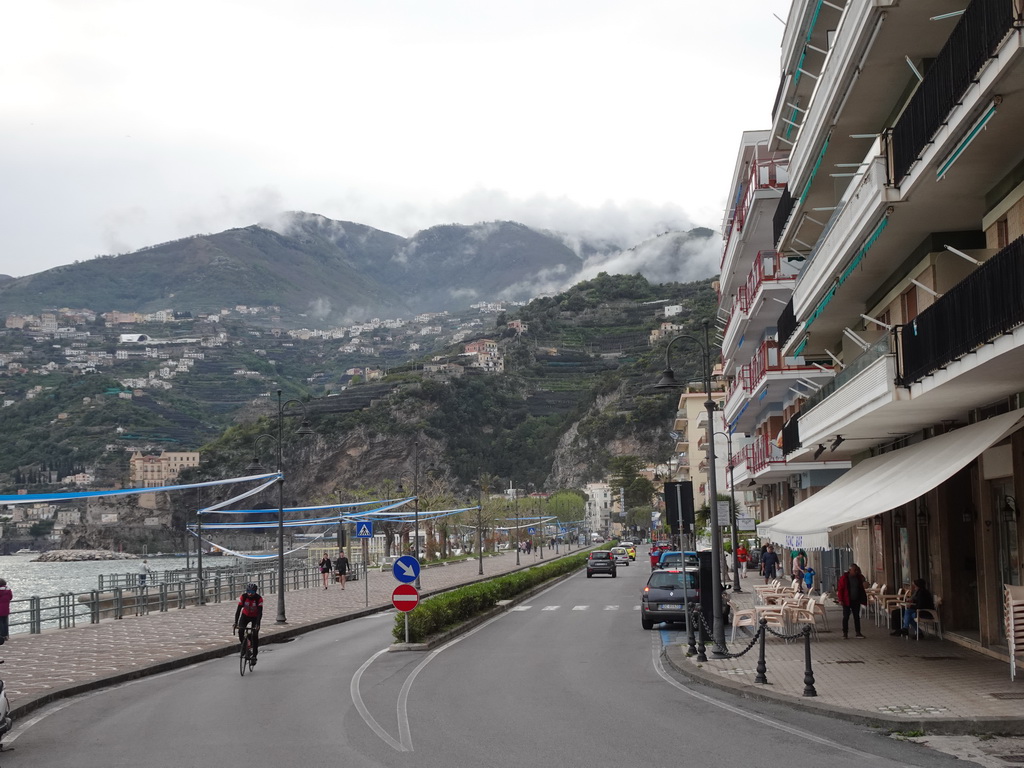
128	123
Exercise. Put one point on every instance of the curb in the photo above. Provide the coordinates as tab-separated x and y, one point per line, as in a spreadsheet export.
962	726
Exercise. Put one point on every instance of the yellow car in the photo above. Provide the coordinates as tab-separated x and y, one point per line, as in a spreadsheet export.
631	551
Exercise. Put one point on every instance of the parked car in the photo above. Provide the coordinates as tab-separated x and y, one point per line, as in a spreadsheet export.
601	562
666	595
620	555
676	559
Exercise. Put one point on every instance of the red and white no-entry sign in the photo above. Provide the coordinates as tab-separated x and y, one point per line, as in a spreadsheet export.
405	597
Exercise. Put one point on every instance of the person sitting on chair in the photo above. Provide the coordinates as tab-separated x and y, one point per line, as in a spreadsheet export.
920	598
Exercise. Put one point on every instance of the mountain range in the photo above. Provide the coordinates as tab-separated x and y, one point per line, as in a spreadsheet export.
321	272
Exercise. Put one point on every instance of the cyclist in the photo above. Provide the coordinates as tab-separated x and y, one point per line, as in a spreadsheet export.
250	609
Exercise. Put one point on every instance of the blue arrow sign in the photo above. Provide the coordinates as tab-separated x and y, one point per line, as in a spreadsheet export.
406	569
364	529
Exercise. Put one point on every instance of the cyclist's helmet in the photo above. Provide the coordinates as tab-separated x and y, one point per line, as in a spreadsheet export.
251	588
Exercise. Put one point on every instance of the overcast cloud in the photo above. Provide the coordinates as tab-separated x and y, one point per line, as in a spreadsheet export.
125	123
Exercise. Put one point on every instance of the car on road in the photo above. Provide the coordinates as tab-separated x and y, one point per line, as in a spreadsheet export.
620	555
630	550
666	595
601	561
676	559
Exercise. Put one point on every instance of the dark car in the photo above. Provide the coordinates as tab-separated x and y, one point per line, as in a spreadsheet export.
601	561
666	595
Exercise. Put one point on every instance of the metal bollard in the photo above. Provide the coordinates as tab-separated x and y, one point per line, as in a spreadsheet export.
118	603
808	674
701	647
761	666
691	640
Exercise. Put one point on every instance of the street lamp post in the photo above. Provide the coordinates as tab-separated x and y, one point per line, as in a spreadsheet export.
732	513
668	381
516	494
279	442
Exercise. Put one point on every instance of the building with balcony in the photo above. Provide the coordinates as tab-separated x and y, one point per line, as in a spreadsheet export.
902	225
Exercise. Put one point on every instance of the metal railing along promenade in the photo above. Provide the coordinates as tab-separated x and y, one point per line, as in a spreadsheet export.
121	595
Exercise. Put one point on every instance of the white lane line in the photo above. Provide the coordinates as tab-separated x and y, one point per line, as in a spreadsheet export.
404	729
611	607
580	607
361	708
551	607
659	667
521	608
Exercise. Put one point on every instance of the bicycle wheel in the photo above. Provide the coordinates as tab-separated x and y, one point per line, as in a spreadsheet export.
244	655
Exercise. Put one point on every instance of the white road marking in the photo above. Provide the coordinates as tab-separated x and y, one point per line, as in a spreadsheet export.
522	608
357	699
659	667
551	607
611	607
580	607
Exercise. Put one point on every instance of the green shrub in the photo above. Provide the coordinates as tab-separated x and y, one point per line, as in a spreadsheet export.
441	612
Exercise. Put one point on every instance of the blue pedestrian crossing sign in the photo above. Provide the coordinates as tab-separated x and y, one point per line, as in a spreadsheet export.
406	569
562	529
531	530
364	529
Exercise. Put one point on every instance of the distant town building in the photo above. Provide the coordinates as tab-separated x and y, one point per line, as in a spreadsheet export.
153	471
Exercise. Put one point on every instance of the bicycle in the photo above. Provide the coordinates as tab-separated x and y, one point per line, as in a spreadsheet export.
245	656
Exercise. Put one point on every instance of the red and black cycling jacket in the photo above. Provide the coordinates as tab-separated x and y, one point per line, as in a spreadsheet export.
251	604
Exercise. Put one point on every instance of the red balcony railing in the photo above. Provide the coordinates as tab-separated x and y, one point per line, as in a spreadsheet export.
765	174
763	453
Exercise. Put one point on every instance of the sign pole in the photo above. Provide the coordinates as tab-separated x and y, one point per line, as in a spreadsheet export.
366	571
407	628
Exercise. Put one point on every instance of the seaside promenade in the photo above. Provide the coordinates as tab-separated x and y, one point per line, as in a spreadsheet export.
929	685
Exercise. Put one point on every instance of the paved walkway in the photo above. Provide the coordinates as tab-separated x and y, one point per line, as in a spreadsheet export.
890	682
893	683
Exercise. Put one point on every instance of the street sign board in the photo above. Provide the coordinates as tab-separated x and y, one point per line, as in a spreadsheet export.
531	530
364	529
406	569
405	597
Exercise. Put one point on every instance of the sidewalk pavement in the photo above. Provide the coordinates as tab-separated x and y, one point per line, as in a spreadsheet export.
893	683
59	663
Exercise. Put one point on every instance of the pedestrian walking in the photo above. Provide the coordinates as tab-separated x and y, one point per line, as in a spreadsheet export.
852	594
341	568
144	571
799	563
6	595
325	569
741	558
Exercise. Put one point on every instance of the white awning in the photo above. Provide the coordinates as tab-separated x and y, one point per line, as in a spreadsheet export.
884	482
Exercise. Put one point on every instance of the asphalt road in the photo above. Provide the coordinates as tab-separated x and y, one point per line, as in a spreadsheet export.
567	678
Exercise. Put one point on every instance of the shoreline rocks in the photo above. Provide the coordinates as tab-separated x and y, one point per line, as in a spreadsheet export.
77	555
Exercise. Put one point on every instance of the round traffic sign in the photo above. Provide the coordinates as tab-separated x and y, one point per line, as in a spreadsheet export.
405	597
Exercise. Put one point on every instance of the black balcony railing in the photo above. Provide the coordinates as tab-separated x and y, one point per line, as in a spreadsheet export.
975	38
787	323
791	435
782	211
986	304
